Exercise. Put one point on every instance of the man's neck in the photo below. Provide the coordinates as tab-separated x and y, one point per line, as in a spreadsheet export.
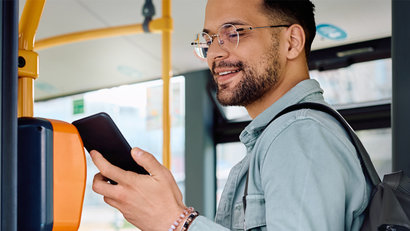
285	83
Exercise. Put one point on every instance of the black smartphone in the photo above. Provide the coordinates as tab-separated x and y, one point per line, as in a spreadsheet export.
100	133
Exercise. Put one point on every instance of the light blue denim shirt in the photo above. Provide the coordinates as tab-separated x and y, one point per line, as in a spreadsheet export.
304	173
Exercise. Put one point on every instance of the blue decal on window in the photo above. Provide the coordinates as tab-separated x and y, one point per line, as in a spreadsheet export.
331	32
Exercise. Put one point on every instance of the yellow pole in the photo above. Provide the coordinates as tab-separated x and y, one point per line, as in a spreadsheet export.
28	59
166	75
88	35
155	26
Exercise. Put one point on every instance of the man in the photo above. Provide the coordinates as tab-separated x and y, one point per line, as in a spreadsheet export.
303	171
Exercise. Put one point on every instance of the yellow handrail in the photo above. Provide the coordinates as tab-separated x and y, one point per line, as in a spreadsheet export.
166	75
155	26
30	18
88	35
28	27
28	59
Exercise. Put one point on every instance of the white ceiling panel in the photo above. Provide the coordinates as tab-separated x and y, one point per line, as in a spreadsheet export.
94	64
361	19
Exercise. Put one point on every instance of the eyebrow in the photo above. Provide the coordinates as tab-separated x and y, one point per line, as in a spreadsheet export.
237	22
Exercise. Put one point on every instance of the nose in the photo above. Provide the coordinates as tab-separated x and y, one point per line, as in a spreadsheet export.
216	50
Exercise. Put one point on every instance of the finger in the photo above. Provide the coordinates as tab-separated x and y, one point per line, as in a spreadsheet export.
100	177
146	160
106	168
102	187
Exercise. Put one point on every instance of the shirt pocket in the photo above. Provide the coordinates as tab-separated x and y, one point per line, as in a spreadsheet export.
255	218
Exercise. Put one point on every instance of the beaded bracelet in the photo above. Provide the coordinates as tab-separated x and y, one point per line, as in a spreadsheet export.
181	217
189	220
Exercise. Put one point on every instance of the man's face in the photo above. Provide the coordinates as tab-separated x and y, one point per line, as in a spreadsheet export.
244	74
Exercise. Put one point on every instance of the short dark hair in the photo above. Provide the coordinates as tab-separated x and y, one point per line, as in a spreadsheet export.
295	12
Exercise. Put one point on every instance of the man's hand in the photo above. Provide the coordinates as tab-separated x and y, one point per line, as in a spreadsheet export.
150	202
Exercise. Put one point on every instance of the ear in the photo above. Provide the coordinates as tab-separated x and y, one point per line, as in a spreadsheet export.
296	41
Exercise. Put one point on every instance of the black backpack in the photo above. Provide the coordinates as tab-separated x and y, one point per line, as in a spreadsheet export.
389	206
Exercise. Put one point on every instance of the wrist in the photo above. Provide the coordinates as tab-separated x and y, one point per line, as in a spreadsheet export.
184	220
188	221
179	221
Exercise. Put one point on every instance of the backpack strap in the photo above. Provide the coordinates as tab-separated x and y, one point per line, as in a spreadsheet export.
365	161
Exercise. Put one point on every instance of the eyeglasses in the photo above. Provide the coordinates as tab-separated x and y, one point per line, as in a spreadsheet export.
228	38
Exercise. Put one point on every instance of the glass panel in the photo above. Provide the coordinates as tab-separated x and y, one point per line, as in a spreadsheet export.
358	83
227	155
378	143
137	111
236	113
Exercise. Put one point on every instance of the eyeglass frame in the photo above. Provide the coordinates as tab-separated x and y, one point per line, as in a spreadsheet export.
237	30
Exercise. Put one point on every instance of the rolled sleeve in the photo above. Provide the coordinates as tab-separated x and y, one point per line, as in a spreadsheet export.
202	223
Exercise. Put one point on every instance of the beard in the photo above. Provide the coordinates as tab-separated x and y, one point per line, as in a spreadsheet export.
253	84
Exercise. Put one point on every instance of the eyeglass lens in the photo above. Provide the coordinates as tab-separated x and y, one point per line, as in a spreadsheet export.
227	36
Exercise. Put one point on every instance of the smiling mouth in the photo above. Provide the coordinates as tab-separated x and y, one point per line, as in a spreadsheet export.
228	72
224	78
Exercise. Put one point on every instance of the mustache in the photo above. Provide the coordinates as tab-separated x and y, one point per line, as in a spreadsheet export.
238	64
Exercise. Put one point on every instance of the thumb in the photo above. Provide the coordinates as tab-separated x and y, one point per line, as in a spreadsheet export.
146	160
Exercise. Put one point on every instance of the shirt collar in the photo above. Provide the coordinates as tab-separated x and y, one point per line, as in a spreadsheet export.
307	90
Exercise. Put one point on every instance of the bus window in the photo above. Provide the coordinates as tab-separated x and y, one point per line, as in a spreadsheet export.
358	83
136	109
